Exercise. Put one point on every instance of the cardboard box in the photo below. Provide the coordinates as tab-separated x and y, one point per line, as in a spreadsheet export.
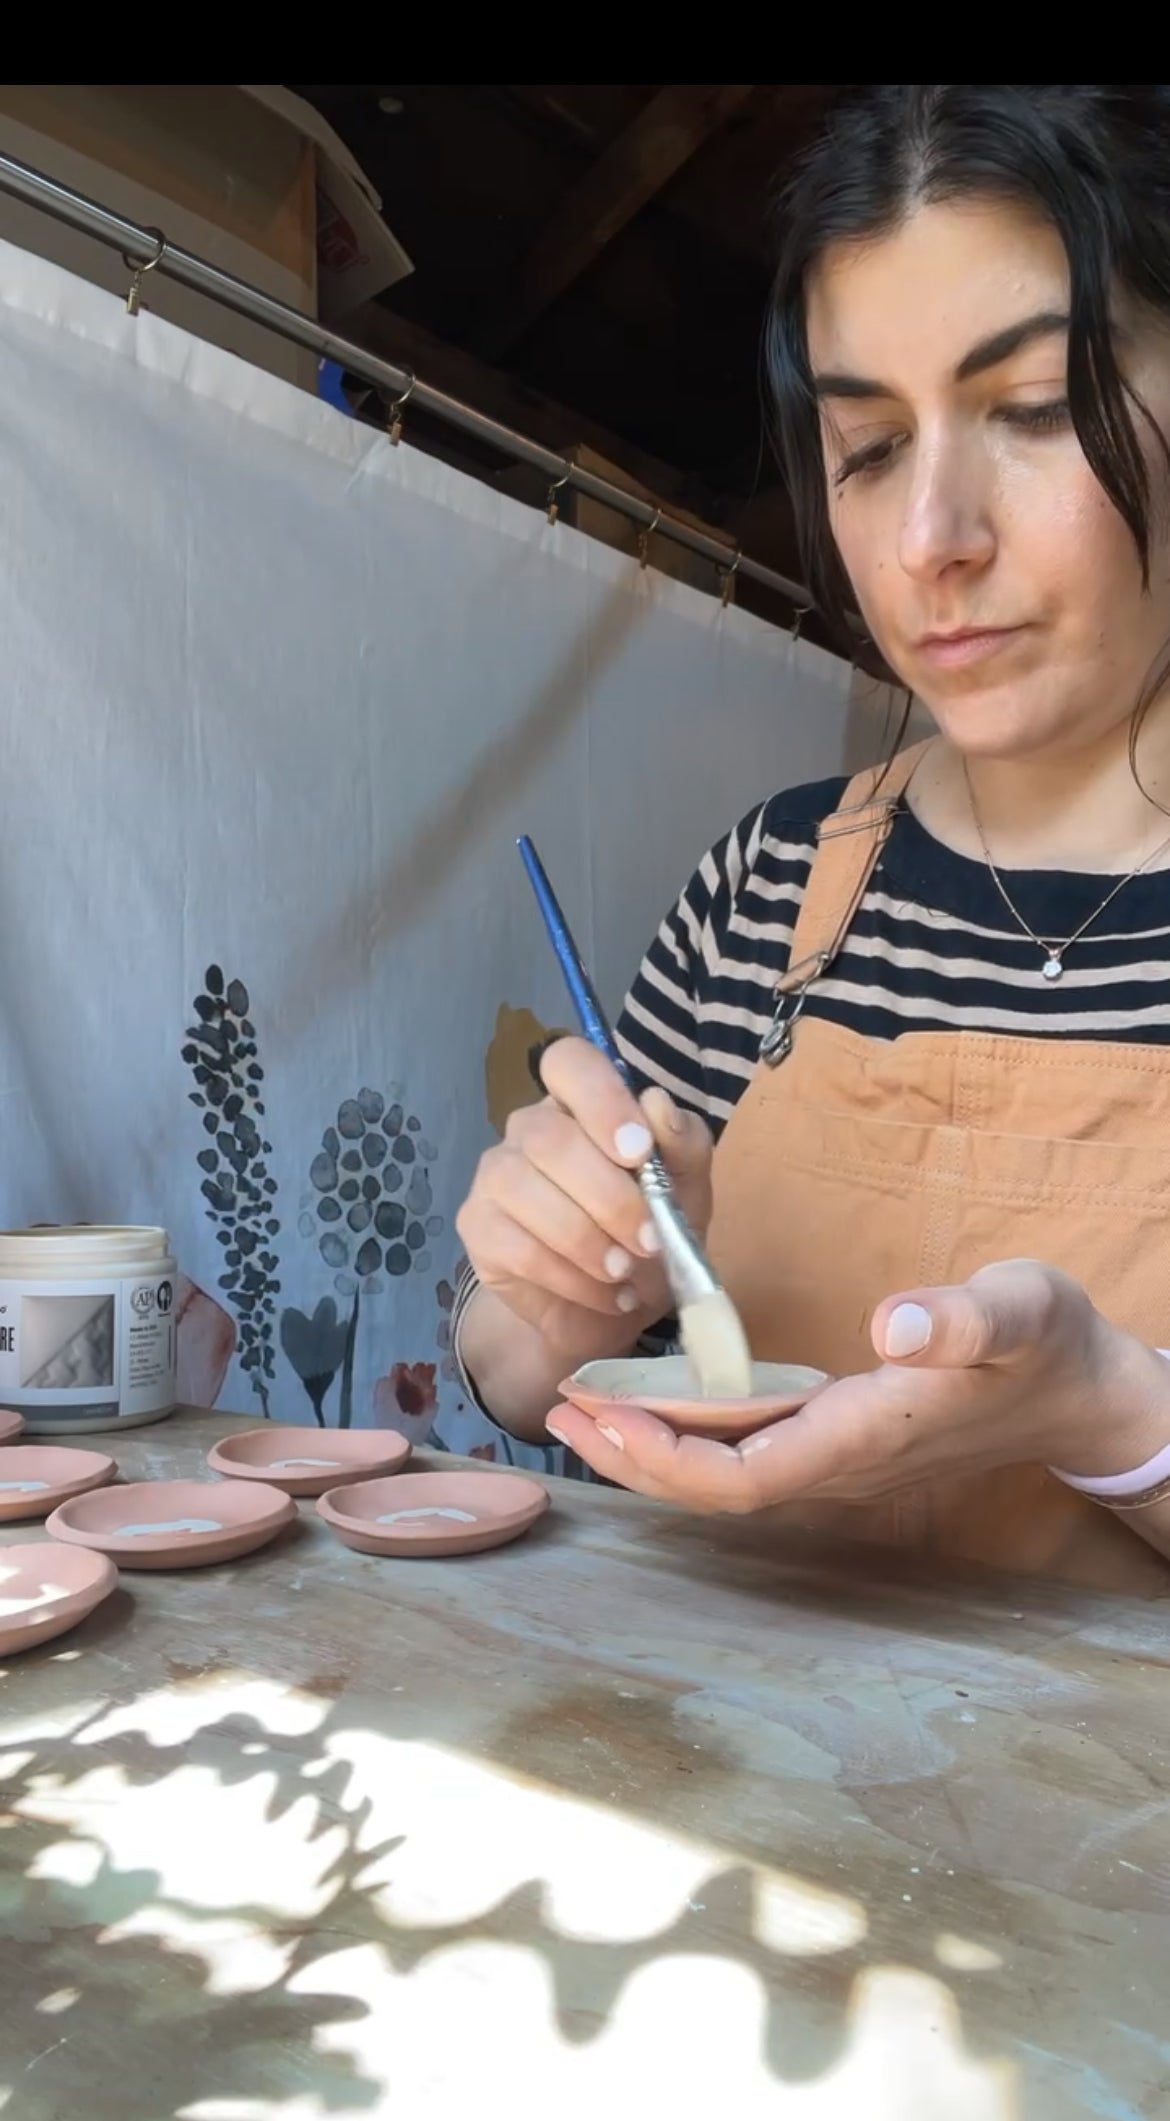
357	257
249	178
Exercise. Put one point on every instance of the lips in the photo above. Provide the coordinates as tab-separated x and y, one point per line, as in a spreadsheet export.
966	645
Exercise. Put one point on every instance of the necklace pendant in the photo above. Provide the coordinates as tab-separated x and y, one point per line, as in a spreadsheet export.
1052	967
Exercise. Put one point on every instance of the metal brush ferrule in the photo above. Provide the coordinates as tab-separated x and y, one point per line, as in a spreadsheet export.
687	1268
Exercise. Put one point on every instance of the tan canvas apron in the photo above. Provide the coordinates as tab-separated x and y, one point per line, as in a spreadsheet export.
858	1167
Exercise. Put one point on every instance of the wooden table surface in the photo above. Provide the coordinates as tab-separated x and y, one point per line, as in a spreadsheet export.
640	1816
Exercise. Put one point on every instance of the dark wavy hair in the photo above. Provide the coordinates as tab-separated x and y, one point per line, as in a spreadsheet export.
1095	162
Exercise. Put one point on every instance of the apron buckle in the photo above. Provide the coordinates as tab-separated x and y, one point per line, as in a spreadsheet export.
776	1044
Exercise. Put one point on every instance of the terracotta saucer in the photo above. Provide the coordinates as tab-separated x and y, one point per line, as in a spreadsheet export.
305	1462
665	1385
174	1524
34	1478
46	1588
434	1513
11	1424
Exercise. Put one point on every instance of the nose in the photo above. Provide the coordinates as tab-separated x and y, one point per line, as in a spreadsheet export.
947	519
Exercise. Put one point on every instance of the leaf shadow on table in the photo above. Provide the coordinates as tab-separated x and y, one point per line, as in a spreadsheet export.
286	1986
109	1958
104	1955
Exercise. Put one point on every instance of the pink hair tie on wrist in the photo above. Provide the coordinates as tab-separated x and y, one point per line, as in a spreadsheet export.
1125	1491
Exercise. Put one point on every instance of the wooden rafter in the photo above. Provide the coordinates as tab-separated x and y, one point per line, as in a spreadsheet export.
626	176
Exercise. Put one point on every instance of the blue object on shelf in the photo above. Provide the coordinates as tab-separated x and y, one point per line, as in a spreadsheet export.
330	386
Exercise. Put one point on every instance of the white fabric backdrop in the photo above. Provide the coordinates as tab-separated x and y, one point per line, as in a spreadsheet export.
279	698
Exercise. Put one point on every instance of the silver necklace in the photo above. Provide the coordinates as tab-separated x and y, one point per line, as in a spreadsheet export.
1051	947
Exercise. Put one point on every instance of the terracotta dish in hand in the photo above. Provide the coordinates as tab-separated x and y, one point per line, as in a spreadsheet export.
434	1513
11	1424
307	1461
45	1588
175	1524
665	1385
34	1478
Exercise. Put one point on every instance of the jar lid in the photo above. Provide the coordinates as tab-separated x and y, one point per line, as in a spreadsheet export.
94	1247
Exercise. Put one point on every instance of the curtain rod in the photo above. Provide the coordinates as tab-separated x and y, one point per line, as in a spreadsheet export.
146	246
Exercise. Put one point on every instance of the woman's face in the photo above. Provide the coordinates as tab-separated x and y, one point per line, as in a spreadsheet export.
989	566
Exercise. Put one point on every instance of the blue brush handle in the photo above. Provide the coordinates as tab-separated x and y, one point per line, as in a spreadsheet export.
590	1013
688	1270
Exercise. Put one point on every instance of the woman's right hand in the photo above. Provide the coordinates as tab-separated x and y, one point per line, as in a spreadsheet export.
555	1223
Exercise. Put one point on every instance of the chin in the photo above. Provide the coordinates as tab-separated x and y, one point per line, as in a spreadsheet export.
996	725
977	739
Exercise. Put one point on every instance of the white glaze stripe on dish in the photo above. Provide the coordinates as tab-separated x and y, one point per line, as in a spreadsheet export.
174	1524
289	1465
434	1510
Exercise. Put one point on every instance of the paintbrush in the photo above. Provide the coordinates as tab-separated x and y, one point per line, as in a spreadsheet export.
709	1325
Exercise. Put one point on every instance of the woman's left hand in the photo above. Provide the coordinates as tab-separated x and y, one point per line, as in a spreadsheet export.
1014	1367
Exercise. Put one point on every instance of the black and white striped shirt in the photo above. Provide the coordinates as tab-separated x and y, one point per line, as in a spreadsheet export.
932	947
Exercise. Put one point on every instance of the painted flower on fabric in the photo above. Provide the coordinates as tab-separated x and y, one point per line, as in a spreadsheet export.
221	1051
205	1341
512	1063
370	1206
407	1400
315	1348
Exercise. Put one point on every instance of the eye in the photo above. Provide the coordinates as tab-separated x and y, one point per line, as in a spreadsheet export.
868	461
1049	418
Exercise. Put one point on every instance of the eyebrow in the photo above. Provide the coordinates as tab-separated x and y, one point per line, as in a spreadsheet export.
989	353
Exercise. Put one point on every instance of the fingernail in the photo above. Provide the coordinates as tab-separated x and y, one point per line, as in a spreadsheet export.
611	1436
908	1331
648	1238
628	1299
617	1263
559	1434
666	1109
633	1140
753	1443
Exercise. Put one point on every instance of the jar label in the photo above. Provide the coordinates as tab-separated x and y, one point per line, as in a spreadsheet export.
99	1346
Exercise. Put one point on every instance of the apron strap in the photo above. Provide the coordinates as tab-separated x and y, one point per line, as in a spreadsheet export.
848	845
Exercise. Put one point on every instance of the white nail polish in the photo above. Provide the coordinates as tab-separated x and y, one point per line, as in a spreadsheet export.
908	1331
648	1238
611	1436
617	1263
627	1299
558	1435
633	1141
751	1444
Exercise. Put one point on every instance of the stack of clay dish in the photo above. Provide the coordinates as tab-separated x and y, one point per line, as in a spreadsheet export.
305	1461
175	1524
34	1478
11	1424
665	1386
45	1589
434	1514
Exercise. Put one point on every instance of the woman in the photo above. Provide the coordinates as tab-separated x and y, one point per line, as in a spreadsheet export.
947	1180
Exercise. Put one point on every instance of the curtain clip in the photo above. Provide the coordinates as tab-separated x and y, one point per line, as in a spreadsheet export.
727	576
554	506
134	291
645	536
394	424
